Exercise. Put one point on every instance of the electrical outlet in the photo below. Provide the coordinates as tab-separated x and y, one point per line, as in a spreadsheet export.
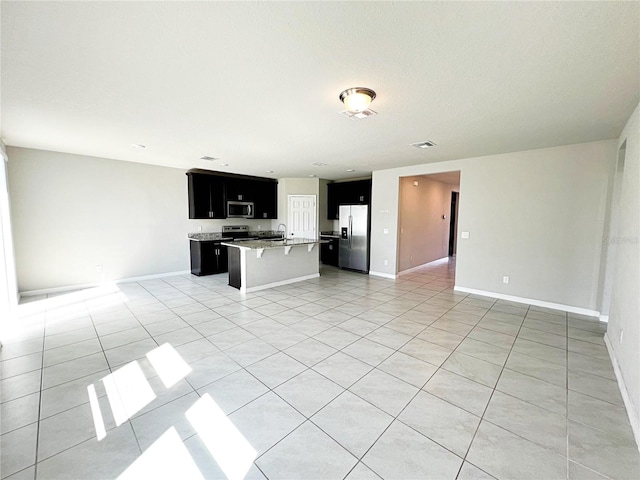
386	262
99	268
505	279
465	235
199	228
259	227
621	335
385	231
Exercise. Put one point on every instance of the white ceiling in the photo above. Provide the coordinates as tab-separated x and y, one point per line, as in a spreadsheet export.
257	83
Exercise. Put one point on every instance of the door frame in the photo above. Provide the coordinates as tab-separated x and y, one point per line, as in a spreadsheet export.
290	216
8	281
453	223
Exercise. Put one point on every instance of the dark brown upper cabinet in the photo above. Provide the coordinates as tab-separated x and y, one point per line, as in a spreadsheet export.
357	192
210	191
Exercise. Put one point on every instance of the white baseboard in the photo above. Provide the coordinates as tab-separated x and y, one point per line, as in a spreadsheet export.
279	284
604	318
383	275
68	288
530	301
634	419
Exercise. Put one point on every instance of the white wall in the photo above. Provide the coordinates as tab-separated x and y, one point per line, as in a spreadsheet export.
624	314
71	213
536	216
424	234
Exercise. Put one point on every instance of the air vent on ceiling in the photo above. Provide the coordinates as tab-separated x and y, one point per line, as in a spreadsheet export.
206	157
426	144
359	115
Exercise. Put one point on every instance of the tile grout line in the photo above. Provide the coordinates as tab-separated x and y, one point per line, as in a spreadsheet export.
491	396
44	331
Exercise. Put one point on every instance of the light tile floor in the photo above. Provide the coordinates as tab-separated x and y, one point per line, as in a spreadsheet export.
345	376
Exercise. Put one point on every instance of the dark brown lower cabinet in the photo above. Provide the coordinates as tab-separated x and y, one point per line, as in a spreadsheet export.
208	258
235	276
329	251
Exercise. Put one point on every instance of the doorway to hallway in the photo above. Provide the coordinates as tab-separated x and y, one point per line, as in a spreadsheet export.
427	218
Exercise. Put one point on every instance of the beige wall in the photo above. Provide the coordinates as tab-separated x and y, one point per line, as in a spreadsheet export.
536	216
324	224
71	213
423	233
624	314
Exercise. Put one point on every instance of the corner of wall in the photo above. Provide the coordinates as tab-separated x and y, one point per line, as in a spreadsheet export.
625	303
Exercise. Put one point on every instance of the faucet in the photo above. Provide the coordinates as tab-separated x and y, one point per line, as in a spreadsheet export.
284	230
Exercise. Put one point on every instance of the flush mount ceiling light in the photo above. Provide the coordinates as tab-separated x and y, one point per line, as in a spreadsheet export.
426	144
357	99
350	170
268	171
138	146
319	164
206	157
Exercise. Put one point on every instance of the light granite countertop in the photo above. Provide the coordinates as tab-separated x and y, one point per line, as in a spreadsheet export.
209	237
219	236
259	244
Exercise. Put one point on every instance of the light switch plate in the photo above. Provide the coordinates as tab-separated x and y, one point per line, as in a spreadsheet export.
385	231
465	234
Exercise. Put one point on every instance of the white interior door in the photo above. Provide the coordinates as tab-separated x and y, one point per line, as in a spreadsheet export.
302	216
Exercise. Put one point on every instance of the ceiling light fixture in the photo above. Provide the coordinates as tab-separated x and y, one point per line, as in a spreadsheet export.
207	157
312	176
350	170
223	165
357	99
427	144
138	146
319	164
268	171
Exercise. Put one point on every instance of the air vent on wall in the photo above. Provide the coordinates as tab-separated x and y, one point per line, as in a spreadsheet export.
358	115
426	144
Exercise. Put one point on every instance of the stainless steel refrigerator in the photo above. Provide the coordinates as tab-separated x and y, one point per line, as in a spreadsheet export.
354	237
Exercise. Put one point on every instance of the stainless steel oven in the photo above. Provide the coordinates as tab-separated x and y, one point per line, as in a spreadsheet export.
239	209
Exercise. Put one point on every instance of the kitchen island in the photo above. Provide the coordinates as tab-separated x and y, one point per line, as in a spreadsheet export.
258	264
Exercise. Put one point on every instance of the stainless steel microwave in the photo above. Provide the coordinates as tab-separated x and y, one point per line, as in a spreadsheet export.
239	209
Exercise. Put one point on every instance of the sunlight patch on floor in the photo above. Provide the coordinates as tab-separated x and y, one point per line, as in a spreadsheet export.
128	391
169	365
167	457
231	450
